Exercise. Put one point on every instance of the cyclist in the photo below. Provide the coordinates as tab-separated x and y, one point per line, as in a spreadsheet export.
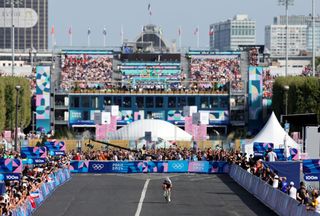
167	187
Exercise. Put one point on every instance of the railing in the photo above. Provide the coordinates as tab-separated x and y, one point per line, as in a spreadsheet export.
45	190
275	199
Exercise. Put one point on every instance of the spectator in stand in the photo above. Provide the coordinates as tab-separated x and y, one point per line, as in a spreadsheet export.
284	185
302	194
292	191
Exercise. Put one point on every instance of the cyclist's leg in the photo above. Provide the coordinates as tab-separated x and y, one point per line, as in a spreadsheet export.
169	194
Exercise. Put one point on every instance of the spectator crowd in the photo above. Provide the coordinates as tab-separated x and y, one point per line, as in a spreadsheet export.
16	192
86	71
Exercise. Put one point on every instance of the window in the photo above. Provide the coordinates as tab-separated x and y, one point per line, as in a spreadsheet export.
191	101
140	102
149	102
86	115
172	102
94	102
75	102
85	101
182	102
126	102
214	102
107	101
117	101
159	102
204	102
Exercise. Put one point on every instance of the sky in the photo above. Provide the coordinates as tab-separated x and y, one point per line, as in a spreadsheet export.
169	14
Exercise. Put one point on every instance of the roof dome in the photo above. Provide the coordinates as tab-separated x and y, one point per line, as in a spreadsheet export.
158	129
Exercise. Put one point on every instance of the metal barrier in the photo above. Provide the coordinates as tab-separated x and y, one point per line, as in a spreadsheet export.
275	199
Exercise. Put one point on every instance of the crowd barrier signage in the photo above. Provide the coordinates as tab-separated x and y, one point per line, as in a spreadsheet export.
33	152
275	199
10	177
57	178
311	169
10	165
260	148
179	166
56	148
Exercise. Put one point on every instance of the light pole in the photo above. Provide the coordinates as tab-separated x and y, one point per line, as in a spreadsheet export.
16	130
313	38
12	3
33	115
286	89
286	3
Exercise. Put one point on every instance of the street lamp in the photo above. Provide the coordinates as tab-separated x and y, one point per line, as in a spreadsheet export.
33	115
286	3
17	106
12	3
286	89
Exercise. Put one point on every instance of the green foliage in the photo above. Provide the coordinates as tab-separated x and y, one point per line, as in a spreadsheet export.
8	102
303	95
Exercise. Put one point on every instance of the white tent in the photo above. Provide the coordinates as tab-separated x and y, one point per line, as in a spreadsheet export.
158	128
272	132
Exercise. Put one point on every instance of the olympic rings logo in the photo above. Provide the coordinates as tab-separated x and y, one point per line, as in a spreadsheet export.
98	166
178	165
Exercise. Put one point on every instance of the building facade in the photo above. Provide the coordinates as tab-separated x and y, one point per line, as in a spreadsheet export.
228	35
300	35
275	39
30	18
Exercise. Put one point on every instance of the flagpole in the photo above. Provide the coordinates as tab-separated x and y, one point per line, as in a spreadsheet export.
89	37
180	43
198	38
160	31
121	35
70	36
104	40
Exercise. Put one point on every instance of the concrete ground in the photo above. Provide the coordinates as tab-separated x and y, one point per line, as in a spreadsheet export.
128	194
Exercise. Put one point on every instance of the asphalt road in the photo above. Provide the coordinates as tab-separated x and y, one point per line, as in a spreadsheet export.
193	194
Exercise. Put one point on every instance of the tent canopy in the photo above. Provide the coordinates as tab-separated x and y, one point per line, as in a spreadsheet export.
272	132
158	128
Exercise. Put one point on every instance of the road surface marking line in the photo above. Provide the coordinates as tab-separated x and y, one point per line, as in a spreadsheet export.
143	194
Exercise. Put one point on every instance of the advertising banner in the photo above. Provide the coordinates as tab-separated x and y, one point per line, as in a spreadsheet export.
43	99
33	152
218	167
148	167
311	166
255	93
260	149
56	148
10	177
79	166
198	166
10	166
178	166
280	154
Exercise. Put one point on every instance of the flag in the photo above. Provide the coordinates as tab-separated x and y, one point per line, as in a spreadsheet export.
35	194
70	31
195	32
89	31
52	30
33	203
211	32
149	9
104	32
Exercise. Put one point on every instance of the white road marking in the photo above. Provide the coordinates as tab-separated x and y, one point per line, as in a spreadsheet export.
143	194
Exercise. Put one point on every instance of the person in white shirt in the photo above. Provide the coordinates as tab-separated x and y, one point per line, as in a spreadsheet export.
272	156
275	182
292	191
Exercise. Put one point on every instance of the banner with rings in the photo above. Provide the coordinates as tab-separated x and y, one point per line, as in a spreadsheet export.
175	166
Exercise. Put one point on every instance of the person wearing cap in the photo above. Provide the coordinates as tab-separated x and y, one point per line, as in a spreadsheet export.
292	191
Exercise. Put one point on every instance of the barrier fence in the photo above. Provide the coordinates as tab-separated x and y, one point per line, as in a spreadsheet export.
275	199
181	166
32	203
